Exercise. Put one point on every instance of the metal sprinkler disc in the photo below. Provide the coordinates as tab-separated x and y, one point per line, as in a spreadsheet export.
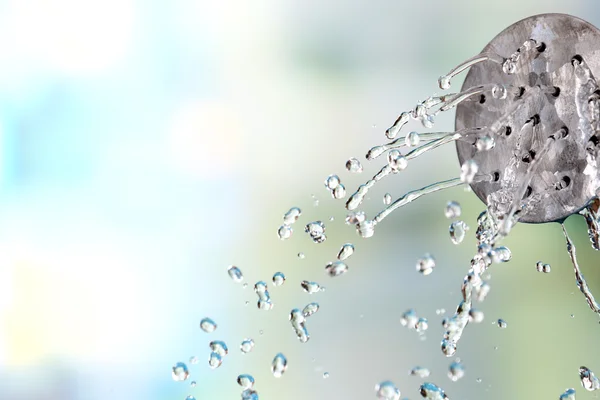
564	182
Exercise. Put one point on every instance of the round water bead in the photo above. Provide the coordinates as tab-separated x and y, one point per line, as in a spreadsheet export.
180	372
502	254
541	267
219	347
409	318
386	390
448	347
458	230
208	325
310	287
412	139
354	166
355	217
421	325
456	371
339	192
426	264
284	232
501	323
420	372
278	278
193	383
301	256
346	251
291	215
588	379
332	181
235	273
316	231
247	345
279	365
245	381
397	161
336	268
325	375
430	391
190	397
387	199
452	210
485	143
214	360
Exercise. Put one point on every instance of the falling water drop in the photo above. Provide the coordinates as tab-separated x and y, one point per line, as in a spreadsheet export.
208	325
588	379
219	347
339	192
190	397
501	323
568	394
456	371
278	278
247	345
346	251
448	347
468	171
279	365
430	391
310	287
332	182
420	372
235	273
298	323
541	267
310	309
452	210
412	139
336	268
458	230
316	231
193	383
426	264
284	232
387	199
249	394
421	325
325	375
264	298
245	381
485	143
354	166
386	390
291	215
215	360
397	161
180	372
301	256
409	318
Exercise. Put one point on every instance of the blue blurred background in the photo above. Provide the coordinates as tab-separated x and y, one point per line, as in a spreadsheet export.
146	146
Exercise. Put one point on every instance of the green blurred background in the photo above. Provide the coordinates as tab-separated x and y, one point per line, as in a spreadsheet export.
145	146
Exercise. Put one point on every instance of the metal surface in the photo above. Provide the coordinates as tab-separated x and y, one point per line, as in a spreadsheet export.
564	37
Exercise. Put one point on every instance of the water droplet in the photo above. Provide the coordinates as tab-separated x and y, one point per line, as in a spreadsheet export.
279	365
264	298
409	318
219	347
430	391
568	394
190	397
456	371
458	230
412	139
468	171
354	218
444	82
485	143
366	229
482	291
332	182
386	390
245	381
249	394
245	285
325	375
310	309
421	325
247	345
339	192
397	161
298	323
346	251
541	267
476	315
336	268
193	360
502	254
180	372
387	199
193	383
301	256
310	287
448	347
278	278
354	166
291	215
208	325
499	92
452	210
235	273
284	232
426	264
316	231
501	323
420	372
588	379
215	360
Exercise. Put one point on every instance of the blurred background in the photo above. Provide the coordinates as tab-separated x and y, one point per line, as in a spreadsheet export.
146	146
